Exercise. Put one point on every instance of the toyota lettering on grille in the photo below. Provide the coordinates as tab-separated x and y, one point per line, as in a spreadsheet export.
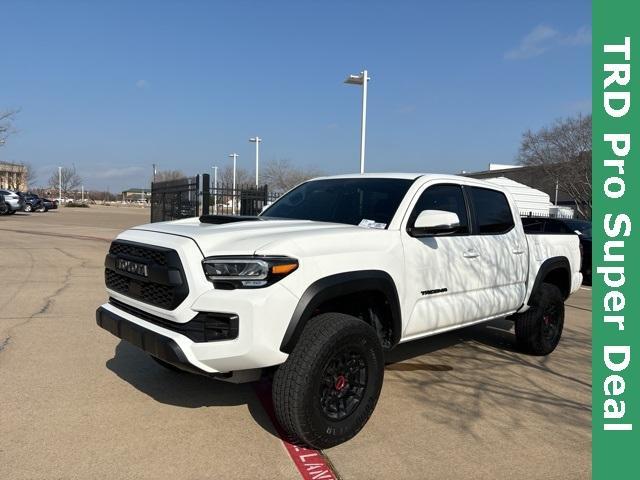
132	267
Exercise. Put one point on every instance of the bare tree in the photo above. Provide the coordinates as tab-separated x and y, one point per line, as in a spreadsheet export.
166	175
243	177
30	174
6	124
281	176
563	151
68	180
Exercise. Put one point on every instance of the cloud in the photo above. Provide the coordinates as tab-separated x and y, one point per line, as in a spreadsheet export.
116	173
142	84
543	38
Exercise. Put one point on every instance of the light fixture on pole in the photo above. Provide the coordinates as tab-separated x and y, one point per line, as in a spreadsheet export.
361	79
233	194
257	141
215	188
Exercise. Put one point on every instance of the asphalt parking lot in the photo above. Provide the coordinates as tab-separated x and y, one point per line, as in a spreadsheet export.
78	403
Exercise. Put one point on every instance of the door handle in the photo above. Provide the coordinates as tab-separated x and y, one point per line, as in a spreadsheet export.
470	254
517	251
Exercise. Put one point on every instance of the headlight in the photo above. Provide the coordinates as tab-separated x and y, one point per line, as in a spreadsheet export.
247	272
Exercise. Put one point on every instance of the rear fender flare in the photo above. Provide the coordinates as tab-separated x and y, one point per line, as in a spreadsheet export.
549	265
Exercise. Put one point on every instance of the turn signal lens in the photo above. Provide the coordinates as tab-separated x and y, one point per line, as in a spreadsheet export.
283	269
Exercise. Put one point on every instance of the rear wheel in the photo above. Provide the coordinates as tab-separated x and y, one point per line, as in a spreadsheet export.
329	386
4	208
28	208
538	330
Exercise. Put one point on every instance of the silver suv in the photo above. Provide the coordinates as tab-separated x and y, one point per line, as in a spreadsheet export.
12	201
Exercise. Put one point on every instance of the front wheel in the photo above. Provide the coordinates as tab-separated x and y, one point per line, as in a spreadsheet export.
329	386
28	208
538	330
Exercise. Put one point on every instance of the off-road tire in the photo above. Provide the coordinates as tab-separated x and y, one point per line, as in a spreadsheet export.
303	392
538	330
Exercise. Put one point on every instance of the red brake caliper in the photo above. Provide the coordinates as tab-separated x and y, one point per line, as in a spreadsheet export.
341	382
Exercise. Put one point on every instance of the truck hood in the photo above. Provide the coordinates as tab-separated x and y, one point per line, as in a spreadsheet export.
282	237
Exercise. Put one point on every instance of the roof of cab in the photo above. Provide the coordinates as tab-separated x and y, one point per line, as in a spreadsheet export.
405	176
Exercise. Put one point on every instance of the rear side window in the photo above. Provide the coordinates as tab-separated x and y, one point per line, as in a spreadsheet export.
492	211
443	197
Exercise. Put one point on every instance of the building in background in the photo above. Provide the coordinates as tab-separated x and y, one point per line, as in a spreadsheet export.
136	194
13	176
531	176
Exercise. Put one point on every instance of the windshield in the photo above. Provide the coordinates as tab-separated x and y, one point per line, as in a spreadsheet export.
368	201
583	227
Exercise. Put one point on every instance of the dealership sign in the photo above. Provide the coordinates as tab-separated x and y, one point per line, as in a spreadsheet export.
616	202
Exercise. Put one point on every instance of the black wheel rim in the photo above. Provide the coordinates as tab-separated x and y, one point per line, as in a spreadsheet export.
550	322
343	383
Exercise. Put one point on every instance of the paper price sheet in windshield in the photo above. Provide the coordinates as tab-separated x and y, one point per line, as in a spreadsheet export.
616	187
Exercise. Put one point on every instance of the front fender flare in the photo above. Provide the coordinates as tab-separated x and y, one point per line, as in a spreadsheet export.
338	285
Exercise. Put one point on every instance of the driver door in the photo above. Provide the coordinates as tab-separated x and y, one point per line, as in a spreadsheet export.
442	271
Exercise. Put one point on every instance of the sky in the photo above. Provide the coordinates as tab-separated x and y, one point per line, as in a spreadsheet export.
113	87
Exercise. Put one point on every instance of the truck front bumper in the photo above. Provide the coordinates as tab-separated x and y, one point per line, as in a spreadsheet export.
153	343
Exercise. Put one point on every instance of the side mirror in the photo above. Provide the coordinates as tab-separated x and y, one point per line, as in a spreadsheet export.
434	222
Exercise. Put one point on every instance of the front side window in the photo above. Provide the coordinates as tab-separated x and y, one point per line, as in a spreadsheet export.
492	211
448	198
353	201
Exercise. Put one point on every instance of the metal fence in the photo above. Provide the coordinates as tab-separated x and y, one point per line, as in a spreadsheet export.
567	215
193	196
244	200
175	199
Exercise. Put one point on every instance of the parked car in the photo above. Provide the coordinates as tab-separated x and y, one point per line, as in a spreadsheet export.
12	200
333	274
50	204
32	202
4	208
564	226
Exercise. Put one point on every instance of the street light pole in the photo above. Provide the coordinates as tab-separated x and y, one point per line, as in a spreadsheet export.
154	173
361	79
60	183
233	195
257	141
215	189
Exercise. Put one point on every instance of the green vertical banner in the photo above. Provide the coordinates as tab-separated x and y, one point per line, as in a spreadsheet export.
616	234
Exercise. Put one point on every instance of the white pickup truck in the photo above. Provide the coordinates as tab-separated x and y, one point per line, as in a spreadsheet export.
329	277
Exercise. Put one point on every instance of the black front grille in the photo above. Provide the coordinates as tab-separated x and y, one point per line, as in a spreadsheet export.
131	250
204	327
163	285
